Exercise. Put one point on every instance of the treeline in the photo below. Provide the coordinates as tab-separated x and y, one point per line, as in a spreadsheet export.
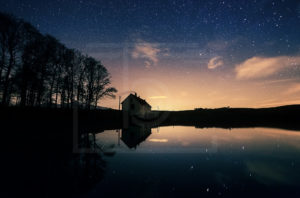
38	70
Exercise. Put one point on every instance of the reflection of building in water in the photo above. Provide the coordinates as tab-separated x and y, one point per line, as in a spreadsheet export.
134	135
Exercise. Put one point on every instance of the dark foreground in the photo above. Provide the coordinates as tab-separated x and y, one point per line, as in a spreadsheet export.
50	152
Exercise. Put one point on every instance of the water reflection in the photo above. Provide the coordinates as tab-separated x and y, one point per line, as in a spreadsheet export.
134	135
141	161
190	139
47	167
180	161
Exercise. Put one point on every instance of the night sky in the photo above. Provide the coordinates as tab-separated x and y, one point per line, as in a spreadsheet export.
182	54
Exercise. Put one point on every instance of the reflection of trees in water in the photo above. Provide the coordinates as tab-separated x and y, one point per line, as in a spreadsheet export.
88	166
50	171
86	170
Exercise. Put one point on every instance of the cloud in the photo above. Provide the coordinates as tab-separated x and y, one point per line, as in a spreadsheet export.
259	67
293	89
158	140
183	93
158	97
280	103
218	45
279	81
215	62
148	52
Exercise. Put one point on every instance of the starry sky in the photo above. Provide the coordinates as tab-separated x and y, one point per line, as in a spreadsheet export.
182	54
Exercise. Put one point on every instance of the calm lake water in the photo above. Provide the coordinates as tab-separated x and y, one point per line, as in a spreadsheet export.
210	162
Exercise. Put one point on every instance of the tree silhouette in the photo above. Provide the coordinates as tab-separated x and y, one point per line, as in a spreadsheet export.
11	29
37	70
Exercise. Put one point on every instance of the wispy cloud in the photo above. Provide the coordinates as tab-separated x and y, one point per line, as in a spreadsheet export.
259	67
218	45
279	103
293	89
148	52
158	140
279	81
158	97
215	62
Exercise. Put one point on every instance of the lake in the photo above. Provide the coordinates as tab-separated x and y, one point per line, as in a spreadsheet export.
199	162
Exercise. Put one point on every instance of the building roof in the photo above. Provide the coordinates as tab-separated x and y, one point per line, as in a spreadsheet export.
138	99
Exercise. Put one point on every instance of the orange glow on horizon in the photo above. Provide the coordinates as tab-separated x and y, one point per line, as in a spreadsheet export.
178	90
